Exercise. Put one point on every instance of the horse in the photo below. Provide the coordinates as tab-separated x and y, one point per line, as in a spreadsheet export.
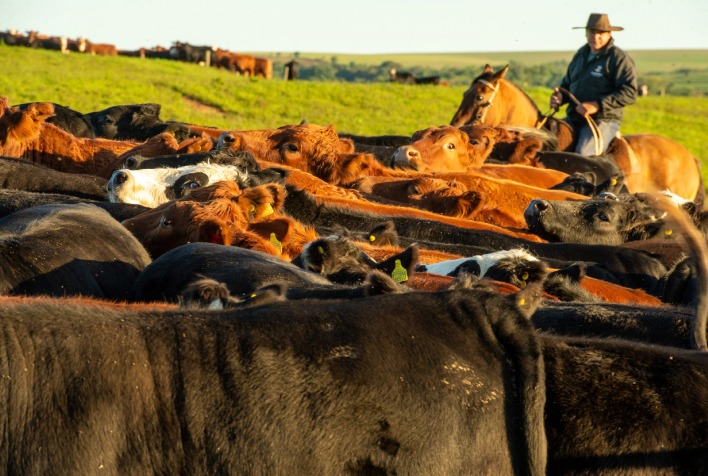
648	161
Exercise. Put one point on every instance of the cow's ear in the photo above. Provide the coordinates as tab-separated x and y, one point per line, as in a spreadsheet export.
150	109
275	230
529	299
575	272
213	232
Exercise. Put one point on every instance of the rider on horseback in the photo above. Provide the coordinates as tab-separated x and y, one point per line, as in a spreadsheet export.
601	80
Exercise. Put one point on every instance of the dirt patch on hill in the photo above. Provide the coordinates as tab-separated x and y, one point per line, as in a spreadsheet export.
201	107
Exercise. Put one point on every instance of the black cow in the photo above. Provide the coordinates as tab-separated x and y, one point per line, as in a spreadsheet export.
340	260
243	271
586	184
421	383
599	220
602	167
19	174
202	55
627	267
68	119
453	382
15	200
133	122
62	250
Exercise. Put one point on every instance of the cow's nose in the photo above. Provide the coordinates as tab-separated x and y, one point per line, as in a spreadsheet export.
131	162
540	205
120	177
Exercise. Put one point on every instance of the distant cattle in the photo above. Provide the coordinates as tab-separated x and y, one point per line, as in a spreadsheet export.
405	77
237	62
202	55
263	68
103	49
63	250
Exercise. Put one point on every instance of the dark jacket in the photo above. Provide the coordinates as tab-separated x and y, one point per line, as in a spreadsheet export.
610	79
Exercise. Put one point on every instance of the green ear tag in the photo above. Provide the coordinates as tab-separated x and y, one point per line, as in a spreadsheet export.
268	210
525	276
275	242
320	250
399	273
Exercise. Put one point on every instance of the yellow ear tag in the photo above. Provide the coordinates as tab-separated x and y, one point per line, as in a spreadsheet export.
522	284
268	210
613	181
399	273
525	276
251	208
275	242
522	302
668	232
320	250
252	295
372	238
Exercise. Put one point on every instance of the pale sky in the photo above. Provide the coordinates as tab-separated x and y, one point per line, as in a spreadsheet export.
362	26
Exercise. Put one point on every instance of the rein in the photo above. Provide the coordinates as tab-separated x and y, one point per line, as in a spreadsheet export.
488	104
599	145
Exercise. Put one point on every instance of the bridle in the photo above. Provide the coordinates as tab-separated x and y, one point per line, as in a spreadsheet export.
485	107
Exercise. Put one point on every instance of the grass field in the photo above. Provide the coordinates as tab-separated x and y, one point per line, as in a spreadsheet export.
208	96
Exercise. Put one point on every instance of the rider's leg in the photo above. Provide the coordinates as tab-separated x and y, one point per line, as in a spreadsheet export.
586	141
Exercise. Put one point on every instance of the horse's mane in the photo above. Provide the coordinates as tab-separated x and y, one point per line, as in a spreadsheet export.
549	140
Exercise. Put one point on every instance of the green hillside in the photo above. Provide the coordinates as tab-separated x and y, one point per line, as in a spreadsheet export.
216	97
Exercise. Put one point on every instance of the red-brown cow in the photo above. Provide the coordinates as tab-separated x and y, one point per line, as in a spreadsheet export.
25	134
222	213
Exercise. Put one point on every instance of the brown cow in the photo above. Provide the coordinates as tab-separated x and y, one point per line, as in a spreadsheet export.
235	62
504	201
224	214
313	148
103	49
263	68
25	134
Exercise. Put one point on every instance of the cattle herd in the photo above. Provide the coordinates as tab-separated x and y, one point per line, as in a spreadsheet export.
239	63
180	299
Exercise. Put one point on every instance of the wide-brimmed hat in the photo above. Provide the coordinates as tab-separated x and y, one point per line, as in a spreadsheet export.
600	22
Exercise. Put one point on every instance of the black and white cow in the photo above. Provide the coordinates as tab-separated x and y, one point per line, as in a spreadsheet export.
153	187
62	250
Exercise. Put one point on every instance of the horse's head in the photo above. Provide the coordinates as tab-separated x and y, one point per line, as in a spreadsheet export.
479	97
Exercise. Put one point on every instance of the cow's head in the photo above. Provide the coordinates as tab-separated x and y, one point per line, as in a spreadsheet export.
442	149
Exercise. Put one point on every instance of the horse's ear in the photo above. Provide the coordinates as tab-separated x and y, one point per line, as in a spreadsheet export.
487	69
500	74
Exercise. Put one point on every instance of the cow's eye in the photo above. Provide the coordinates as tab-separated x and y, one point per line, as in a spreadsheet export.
415	190
450	146
603	217
192	185
291	147
165	222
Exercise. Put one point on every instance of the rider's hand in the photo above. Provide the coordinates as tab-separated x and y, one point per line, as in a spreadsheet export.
556	99
587	108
